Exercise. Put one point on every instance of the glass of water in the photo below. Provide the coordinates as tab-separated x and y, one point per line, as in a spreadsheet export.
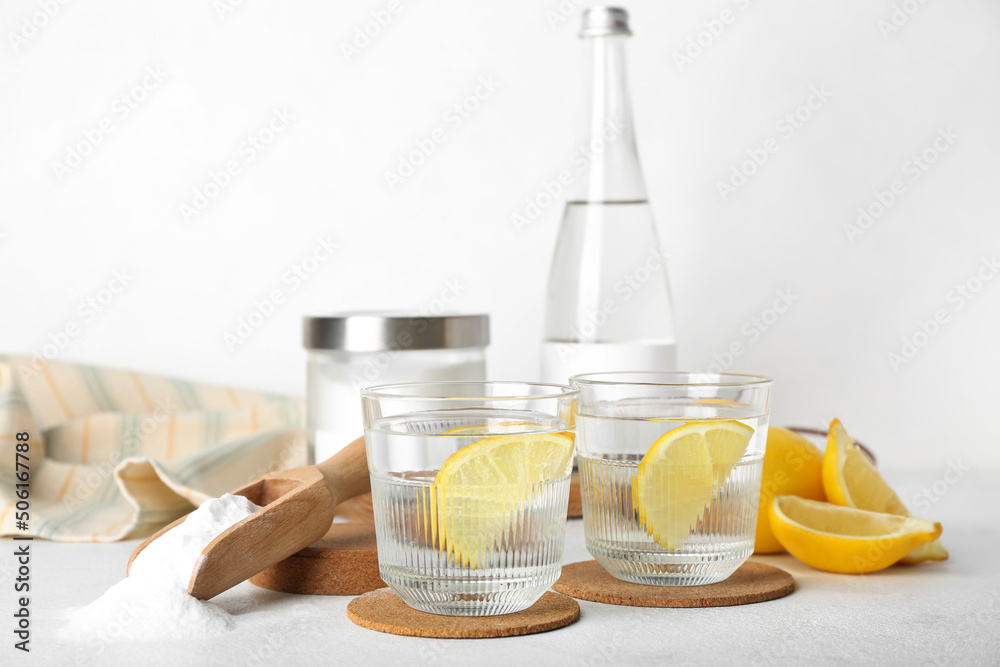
670	467
470	482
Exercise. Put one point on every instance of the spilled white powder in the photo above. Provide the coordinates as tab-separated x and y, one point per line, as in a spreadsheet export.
153	602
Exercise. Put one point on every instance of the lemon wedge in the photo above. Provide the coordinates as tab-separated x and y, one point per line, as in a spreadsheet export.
844	539
850	479
480	489
680	474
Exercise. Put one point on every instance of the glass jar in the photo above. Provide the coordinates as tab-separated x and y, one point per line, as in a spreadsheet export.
350	351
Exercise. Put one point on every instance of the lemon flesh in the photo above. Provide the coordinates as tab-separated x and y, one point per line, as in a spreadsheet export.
680	475
850	479
844	539
480	489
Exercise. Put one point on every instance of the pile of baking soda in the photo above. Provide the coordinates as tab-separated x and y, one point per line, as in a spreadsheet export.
153	602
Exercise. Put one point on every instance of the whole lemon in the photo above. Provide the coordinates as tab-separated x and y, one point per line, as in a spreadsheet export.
793	466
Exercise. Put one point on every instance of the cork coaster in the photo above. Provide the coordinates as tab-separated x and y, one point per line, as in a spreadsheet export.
342	562
357	510
385	611
574	510
752	582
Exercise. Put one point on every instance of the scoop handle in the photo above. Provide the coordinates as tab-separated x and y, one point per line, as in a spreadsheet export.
346	472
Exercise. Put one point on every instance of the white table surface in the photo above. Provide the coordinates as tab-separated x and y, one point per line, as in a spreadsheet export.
933	614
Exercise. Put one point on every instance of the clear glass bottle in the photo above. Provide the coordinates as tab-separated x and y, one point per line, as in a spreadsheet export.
608	305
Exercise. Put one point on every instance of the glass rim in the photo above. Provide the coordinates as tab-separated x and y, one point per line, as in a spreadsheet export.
717	379
388	391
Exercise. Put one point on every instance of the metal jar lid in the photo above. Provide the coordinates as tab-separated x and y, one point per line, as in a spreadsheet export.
377	331
604	21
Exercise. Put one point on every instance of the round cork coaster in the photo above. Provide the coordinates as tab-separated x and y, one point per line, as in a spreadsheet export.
357	510
752	582
574	509
342	562
385	611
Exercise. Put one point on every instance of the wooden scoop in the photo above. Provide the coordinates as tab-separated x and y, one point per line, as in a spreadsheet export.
296	510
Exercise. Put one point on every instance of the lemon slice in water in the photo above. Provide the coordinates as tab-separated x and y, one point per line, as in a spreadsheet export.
480	489
680	474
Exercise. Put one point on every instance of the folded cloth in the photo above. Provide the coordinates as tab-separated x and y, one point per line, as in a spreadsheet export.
114	454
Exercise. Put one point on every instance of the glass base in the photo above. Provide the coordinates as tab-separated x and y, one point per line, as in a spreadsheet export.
470	597
663	569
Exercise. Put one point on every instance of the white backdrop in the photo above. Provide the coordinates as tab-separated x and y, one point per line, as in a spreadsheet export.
165	166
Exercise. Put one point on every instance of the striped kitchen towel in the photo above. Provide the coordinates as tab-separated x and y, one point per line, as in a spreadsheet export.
114	454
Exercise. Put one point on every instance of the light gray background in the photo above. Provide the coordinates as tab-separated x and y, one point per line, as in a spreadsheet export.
446	232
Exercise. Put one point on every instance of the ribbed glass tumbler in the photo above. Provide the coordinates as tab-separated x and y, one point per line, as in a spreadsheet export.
670	468
470	482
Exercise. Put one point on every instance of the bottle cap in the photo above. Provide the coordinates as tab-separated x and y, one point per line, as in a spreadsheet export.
377	331
602	21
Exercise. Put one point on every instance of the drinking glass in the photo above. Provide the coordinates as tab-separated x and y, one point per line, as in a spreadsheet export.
687	516
470	482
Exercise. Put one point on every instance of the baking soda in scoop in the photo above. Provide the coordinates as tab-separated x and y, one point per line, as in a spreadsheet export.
153	603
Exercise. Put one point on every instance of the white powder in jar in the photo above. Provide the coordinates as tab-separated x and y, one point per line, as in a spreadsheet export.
153	602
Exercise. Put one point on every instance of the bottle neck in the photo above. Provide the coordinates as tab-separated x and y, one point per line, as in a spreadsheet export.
611	172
